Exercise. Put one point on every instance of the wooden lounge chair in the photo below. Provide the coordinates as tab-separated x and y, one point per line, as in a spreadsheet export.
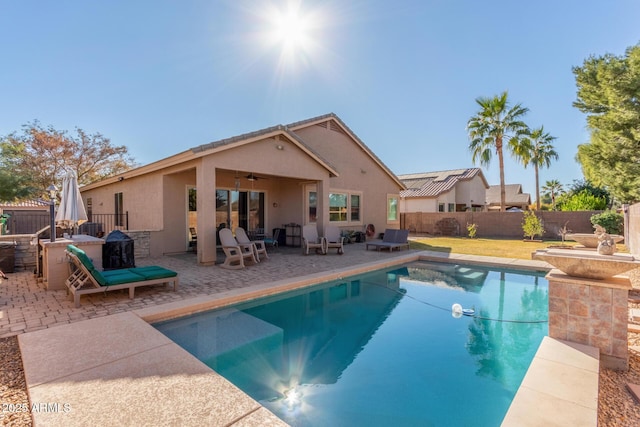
393	239
86	279
333	239
257	246
311	240
234	252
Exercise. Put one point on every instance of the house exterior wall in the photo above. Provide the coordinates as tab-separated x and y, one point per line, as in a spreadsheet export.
358	172
156	195
471	192
415	204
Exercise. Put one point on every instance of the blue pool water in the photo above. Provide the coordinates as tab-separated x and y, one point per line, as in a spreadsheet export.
381	348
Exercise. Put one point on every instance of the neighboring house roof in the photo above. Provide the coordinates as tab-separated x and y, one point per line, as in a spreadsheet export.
513	195
278	131
25	204
432	184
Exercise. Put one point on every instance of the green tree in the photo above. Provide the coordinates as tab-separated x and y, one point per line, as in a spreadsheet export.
40	156
535	148
493	126
553	188
608	92
532	225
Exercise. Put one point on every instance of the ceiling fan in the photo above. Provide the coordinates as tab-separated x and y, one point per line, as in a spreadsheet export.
253	177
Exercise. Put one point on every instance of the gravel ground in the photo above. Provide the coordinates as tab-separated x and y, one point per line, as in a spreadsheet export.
13	388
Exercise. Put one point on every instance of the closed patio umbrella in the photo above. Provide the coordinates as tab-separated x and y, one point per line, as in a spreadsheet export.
71	212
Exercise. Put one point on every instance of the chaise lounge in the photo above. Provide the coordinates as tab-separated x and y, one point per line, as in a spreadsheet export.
86	279
393	239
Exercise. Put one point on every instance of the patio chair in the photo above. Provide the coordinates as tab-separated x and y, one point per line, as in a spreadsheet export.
273	240
85	279
235	254
311	240
257	246
333	239
392	239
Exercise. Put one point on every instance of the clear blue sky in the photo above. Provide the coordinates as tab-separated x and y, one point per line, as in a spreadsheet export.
162	76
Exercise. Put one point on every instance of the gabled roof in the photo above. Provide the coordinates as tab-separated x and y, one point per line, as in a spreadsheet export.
278	131
513	195
432	184
270	132
336	121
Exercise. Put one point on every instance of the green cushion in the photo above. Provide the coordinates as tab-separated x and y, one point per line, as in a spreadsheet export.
153	272
118	277
82	256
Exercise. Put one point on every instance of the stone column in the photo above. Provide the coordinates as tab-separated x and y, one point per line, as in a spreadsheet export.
592	312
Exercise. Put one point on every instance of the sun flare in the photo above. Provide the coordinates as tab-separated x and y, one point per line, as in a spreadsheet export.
292	29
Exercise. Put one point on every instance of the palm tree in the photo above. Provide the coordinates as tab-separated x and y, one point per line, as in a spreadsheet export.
553	188
491	127
535	147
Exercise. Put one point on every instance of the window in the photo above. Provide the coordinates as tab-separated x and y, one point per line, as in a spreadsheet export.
90	209
355	208
392	209
345	207
440	207
119	210
451	207
337	207
312	201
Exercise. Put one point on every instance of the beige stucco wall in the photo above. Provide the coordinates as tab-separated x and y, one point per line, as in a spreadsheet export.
358	172
422	204
633	229
472	190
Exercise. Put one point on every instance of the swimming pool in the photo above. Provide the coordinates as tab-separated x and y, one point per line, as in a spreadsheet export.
380	348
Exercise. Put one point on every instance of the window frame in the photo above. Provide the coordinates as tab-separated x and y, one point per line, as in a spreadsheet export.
348	208
119	209
390	198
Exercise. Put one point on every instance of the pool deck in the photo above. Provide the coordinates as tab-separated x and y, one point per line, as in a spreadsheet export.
104	364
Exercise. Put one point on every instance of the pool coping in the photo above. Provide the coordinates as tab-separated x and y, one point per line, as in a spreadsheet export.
116	367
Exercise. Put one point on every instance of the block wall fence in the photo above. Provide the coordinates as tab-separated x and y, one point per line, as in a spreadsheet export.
498	224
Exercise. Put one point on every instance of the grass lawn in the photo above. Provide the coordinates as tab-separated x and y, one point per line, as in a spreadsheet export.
505	248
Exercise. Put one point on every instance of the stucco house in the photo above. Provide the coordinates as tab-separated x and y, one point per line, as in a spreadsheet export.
313	171
456	190
514	197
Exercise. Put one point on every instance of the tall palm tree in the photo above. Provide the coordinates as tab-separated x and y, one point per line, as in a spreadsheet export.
535	148
553	188
494	125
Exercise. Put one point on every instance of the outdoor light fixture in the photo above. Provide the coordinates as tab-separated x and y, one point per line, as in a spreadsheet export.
52	190
280	147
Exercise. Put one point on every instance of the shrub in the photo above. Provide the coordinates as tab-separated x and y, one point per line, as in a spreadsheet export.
611	221
532	225
472	230
582	201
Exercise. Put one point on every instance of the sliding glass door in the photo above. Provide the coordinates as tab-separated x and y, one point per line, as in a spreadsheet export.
240	209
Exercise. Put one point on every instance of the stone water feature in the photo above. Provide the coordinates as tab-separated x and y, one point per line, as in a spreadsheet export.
588	300
592	240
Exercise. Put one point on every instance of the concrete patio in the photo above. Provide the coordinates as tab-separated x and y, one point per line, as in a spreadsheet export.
103	364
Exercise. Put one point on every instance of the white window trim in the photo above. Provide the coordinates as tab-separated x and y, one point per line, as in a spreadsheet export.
397	220
348	193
